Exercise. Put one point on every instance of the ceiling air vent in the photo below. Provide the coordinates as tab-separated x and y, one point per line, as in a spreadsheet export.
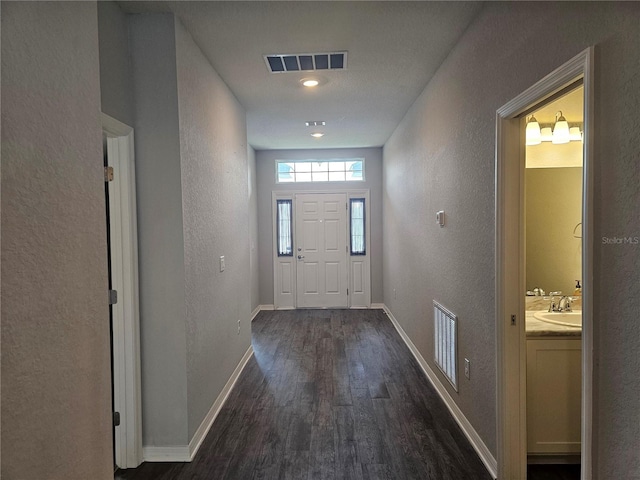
306	62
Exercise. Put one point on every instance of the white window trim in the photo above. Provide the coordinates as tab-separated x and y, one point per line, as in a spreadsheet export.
324	160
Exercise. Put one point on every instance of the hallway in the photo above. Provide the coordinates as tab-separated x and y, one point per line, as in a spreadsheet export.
329	394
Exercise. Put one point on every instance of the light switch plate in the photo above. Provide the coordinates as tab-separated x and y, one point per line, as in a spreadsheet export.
440	218
222	263
467	368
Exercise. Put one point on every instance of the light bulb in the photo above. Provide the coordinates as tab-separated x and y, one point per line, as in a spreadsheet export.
546	135
560	130
575	134
533	132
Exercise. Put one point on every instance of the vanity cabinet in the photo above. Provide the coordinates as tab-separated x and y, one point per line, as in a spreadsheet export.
554	390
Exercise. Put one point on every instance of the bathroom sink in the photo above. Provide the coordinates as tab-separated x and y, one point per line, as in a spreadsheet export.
569	319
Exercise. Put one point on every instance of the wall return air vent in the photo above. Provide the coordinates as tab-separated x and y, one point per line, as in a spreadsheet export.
306	62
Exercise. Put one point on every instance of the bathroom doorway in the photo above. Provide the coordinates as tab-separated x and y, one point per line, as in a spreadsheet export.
511	265
553	193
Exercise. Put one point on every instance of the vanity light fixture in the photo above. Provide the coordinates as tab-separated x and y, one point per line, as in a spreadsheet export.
546	134
535	135
575	133
560	130
533	131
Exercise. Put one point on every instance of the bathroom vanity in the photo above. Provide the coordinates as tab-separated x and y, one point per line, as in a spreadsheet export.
554	390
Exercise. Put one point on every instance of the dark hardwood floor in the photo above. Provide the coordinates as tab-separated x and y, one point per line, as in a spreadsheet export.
329	394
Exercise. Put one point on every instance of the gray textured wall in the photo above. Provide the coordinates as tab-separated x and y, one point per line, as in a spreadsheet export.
160	234
116	81
215	205
442	156
265	165
56	398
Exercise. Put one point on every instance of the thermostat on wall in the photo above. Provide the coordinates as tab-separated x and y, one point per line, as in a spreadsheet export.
440	218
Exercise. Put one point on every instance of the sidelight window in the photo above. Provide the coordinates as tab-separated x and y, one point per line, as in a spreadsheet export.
357	224
285	228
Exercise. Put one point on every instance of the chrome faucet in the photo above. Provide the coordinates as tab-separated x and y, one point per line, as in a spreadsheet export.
563	305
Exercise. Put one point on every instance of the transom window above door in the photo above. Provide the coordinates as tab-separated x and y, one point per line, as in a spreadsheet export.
333	170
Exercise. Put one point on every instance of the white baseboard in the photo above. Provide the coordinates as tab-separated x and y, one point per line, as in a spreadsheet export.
186	453
177	453
259	308
206	424
476	441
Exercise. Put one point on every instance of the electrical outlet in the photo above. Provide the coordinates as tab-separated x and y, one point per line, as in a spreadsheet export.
222	263
238	327
467	368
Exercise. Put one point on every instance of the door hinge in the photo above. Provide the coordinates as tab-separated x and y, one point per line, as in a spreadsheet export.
116	419
346	206
513	319
108	174
347	292
113	297
346	248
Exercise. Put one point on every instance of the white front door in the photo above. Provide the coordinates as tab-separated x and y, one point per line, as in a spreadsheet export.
321	250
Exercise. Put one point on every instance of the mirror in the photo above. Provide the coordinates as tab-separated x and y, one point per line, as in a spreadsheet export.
553	203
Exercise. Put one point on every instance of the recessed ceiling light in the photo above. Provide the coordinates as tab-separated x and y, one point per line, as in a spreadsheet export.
317	134
312	82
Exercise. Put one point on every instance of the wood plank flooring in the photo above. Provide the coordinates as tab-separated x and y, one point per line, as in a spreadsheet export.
329	394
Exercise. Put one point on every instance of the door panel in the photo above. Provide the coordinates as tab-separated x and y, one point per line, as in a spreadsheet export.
332	278
285	275
331	207
310	234
333	238
310	278
321	230
357	274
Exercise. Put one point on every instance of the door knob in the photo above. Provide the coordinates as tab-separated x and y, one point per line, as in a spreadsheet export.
300	257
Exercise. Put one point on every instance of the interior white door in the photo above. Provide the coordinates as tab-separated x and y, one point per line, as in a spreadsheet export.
321	250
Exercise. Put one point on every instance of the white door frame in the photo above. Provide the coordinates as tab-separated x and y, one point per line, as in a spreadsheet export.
510	288
124	274
290	302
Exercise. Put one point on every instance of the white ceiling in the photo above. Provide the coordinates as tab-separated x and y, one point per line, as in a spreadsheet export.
393	47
